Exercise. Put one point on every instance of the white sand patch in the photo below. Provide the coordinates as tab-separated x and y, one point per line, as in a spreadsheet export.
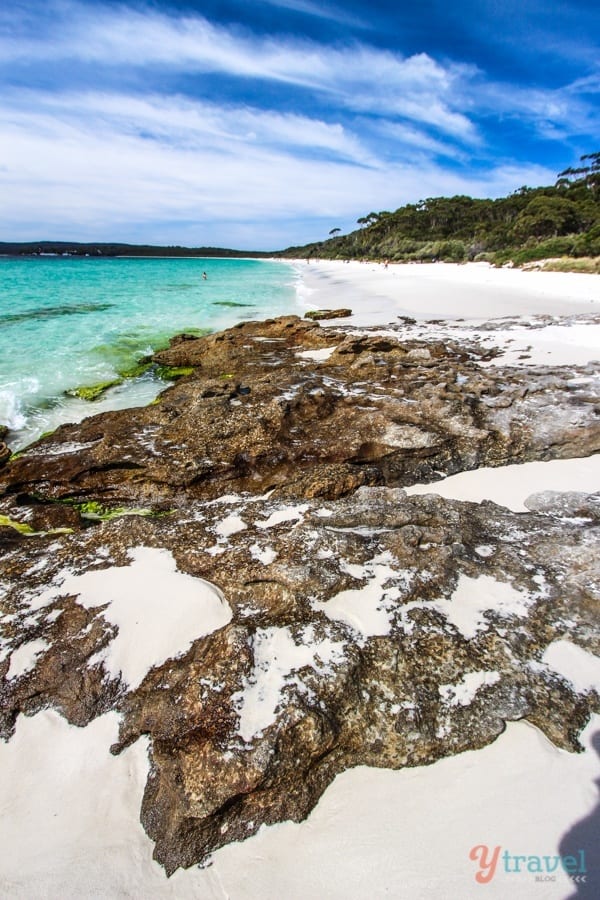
70	825
277	659
159	612
24	657
215	550
462	693
54	615
510	486
557	345
484	550
475	596
70	817
363	609
475	293
377	833
231	525
224	498
575	664
317	355
39	566
289	514
265	555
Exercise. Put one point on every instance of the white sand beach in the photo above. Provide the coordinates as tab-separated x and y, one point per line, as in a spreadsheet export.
412	833
378	294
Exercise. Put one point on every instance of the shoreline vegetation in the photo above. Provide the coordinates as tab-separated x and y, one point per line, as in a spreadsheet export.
558	223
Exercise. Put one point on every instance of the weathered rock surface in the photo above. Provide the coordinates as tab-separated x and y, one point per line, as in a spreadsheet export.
289	405
365	626
321	315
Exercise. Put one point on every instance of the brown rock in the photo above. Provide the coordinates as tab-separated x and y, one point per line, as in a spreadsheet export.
257	414
319	315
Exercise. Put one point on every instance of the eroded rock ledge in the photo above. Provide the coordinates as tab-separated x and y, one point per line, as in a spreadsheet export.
309	411
355	625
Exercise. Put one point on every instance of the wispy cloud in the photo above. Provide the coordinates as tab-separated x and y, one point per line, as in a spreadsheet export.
562	112
114	161
355	77
217	131
327	11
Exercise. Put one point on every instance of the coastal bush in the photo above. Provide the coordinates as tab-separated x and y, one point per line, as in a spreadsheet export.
584	264
558	246
588	244
547	217
527	225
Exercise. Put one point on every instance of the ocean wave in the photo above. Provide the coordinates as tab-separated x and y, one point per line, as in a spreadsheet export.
303	291
11	402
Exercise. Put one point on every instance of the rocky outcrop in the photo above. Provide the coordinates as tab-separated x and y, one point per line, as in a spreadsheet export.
321	315
287	405
4	449
375	629
356	625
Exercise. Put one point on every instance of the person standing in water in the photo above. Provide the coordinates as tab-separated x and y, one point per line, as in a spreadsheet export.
204	276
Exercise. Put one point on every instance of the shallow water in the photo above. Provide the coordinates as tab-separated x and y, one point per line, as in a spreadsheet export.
67	322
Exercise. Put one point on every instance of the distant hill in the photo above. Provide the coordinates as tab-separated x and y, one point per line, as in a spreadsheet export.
530	224
74	248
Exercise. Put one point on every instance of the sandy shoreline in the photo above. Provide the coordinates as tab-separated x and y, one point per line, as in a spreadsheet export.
474	291
375	833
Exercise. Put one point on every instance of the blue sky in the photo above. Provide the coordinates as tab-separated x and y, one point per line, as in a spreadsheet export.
264	124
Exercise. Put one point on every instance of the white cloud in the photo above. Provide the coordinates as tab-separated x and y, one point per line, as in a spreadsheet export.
408	135
181	122
561	110
356	77
98	165
149	164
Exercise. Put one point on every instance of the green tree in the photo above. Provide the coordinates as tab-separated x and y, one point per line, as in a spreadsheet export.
547	217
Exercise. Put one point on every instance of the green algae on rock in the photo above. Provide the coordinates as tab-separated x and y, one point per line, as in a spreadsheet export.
318	315
98	512
172	373
25	529
92	392
21	527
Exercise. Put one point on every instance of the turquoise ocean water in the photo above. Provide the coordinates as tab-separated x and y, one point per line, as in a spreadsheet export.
66	322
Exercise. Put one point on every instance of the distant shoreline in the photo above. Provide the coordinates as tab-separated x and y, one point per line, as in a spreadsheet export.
116	248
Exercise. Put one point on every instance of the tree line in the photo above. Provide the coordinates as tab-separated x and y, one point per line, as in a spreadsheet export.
532	223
